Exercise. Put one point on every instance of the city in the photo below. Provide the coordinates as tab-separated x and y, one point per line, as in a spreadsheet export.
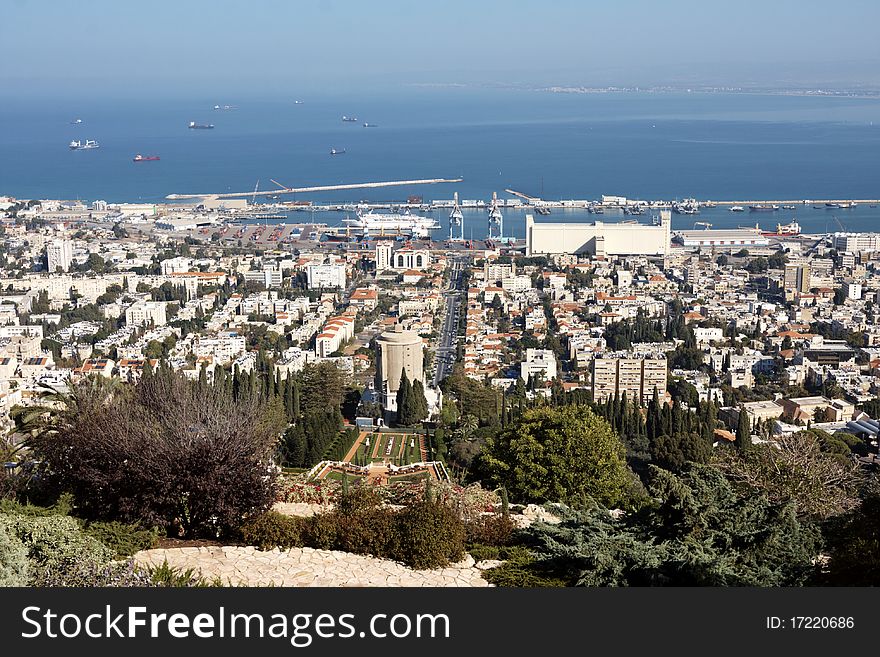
388	362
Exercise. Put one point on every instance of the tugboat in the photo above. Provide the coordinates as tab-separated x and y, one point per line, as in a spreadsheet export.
145	158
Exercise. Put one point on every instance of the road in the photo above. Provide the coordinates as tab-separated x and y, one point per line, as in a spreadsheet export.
444	357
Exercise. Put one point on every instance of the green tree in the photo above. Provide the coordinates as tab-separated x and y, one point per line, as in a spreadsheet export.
406	412
420	403
564	454
743	431
701	531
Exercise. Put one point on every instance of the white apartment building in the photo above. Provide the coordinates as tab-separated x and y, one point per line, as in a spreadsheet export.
326	276
145	312
224	348
59	254
383	255
333	335
175	265
539	362
514	284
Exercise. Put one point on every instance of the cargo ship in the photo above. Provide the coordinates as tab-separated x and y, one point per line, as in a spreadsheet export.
200	126
337	151
350	119
77	145
370	125
791	228
846	205
145	158
373	223
763	207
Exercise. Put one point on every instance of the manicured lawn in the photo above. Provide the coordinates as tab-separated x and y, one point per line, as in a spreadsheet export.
401	451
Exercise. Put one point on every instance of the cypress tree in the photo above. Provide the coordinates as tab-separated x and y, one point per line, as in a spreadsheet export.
419	401
295	398
743	431
203	378
404	400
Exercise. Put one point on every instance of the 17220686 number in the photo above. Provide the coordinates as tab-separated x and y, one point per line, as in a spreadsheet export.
822	622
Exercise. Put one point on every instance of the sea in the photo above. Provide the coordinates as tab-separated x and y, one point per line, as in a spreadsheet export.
708	146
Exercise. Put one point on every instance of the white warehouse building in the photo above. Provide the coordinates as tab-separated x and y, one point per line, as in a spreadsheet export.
598	238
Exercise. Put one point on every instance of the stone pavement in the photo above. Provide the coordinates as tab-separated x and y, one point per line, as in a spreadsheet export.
247	566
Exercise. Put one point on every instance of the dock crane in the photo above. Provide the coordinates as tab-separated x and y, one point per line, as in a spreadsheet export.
456	220
496	219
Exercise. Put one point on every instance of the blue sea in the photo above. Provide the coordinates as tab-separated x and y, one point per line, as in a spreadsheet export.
558	146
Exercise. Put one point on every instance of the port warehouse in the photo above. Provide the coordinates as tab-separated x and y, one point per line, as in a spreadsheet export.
599	238
609	239
721	238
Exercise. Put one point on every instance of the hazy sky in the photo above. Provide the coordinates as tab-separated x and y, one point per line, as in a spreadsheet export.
272	46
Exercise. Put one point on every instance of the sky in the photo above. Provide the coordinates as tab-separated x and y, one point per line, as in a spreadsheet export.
107	47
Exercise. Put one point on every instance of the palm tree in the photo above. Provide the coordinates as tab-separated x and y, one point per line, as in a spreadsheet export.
55	407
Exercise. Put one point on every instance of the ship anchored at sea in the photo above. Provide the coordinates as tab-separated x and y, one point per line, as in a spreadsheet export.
200	126
78	145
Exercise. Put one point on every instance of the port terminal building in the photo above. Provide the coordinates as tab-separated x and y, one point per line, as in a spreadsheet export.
599	238
721	239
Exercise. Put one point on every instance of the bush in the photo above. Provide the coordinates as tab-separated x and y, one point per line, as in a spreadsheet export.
164	452
320	531
273	530
124	540
490	530
422	535
431	535
124	574
168	576
14	563
363	525
55	545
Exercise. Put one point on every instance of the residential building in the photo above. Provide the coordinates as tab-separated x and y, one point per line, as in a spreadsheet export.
59	255
639	375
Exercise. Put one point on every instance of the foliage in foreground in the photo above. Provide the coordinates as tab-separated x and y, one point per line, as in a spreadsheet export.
701	531
795	469
161	453
424	534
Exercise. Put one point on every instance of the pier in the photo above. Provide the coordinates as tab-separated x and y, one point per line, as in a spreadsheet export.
319	188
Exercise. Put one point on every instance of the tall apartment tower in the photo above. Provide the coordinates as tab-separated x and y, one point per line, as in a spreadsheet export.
397	350
383	256
797	279
59	253
636	374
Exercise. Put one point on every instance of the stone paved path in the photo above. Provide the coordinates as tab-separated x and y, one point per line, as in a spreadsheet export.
248	566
